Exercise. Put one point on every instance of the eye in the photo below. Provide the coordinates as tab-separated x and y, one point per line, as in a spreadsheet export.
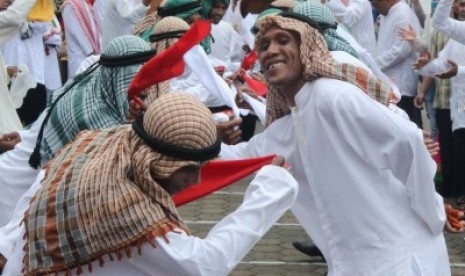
263	45
283	40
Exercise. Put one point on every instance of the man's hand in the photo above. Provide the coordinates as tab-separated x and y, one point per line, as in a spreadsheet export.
4	4
418	100
278	161
431	146
8	141
422	60
11	70
229	131
136	108
451	72
408	35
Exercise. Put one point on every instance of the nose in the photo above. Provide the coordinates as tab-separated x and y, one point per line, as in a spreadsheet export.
270	51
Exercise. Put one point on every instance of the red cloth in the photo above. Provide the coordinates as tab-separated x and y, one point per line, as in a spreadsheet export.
256	86
218	174
247	63
249	60
169	63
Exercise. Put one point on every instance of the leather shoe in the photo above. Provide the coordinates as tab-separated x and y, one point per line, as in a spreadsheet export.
308	249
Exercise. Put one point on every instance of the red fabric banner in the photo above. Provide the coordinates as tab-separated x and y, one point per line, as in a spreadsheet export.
218	174
169	63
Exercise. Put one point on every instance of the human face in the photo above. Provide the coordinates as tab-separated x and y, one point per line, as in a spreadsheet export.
461	10
217	12
455	9
381	6
181	179
279	56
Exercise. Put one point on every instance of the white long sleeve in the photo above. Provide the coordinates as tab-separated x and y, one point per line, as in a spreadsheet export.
270	194
12	17
404	155
447	25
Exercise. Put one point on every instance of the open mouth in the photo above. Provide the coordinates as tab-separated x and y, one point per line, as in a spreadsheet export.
275	65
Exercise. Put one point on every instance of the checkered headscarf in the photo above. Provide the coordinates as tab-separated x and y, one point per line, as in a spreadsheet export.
317	62
98	101
100	194
164	34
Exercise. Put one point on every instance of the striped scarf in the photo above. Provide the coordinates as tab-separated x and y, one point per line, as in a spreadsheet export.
87	20
144	28
100	195
317	63
164	34
98	101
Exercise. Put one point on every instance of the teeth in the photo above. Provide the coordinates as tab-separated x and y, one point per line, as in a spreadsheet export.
275	65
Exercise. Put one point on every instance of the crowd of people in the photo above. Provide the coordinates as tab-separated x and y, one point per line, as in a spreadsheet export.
109	108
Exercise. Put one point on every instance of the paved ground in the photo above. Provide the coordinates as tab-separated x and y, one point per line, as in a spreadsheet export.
274	254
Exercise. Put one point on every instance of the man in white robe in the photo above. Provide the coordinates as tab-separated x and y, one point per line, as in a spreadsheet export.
366	190
82	32
395	56
152	229
355	15
10	22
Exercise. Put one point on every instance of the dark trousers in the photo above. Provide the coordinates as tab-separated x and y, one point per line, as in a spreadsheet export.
414	113
458	140
33	104
444	125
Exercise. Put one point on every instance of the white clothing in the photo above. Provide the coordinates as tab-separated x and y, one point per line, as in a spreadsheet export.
28	51
224	37
356	18
10	23
78	46
394	55
452	51
201	81
16	174
9	120
445	24
12	17
366	189
119	18
271	193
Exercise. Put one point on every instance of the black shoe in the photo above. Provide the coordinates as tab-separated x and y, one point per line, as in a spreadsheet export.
308	249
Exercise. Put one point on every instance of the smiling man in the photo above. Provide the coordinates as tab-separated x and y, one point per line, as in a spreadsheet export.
366	194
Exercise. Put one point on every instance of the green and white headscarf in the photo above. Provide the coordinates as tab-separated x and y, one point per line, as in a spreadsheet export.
323	16
207	6
98	100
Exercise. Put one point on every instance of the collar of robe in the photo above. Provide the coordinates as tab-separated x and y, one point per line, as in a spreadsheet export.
183	153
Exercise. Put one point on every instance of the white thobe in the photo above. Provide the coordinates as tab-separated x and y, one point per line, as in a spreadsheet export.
271	193
16	174
395	56
28	51
356	17
366	189
78	46
452	51
119	18
10	22
445	24
224	39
